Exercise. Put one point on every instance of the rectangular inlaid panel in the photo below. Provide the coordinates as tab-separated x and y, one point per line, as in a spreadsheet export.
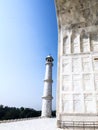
78	103
75	43
87	82
96	81
94	42
67	103
77	84
86	64
66	45
97	103
67	106
66	83
86	44
76	65
66	65
95	63
90	106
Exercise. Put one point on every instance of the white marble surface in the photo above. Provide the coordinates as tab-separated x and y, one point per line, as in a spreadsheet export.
47	92
33	124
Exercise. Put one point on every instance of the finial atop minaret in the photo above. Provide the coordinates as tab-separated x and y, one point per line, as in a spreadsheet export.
47	93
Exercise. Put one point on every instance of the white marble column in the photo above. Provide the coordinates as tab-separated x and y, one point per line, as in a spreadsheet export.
47	92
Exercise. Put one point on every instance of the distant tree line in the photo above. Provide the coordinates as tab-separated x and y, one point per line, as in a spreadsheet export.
17	113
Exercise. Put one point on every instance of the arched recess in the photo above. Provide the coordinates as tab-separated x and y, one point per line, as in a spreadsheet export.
84	41
75	42
66	45
94	42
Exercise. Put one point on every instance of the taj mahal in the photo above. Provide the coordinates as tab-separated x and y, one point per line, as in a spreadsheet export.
77	92
77	71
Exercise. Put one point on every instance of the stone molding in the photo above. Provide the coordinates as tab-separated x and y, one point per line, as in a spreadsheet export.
48	80
47	98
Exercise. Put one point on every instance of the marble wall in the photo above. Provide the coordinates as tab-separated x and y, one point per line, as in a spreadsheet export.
77	91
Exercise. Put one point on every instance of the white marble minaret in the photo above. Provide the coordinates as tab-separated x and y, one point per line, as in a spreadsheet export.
47	92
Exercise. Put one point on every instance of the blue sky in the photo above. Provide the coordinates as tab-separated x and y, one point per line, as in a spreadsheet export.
28	33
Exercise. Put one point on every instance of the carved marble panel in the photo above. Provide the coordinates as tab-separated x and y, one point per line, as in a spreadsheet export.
66	45
94	42
77	103
97	106
96	81
75	43
89	103
88	96
66	83
67	106
67	103
86	65
86	47
77	84
77	97
97	103
76	65
89	106
85	41
97	97
95	64
77	106
87	82
67	97
66	66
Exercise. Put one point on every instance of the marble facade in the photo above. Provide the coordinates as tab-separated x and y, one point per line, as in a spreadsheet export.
77	93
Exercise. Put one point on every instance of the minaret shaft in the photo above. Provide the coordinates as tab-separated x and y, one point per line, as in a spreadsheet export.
47	93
